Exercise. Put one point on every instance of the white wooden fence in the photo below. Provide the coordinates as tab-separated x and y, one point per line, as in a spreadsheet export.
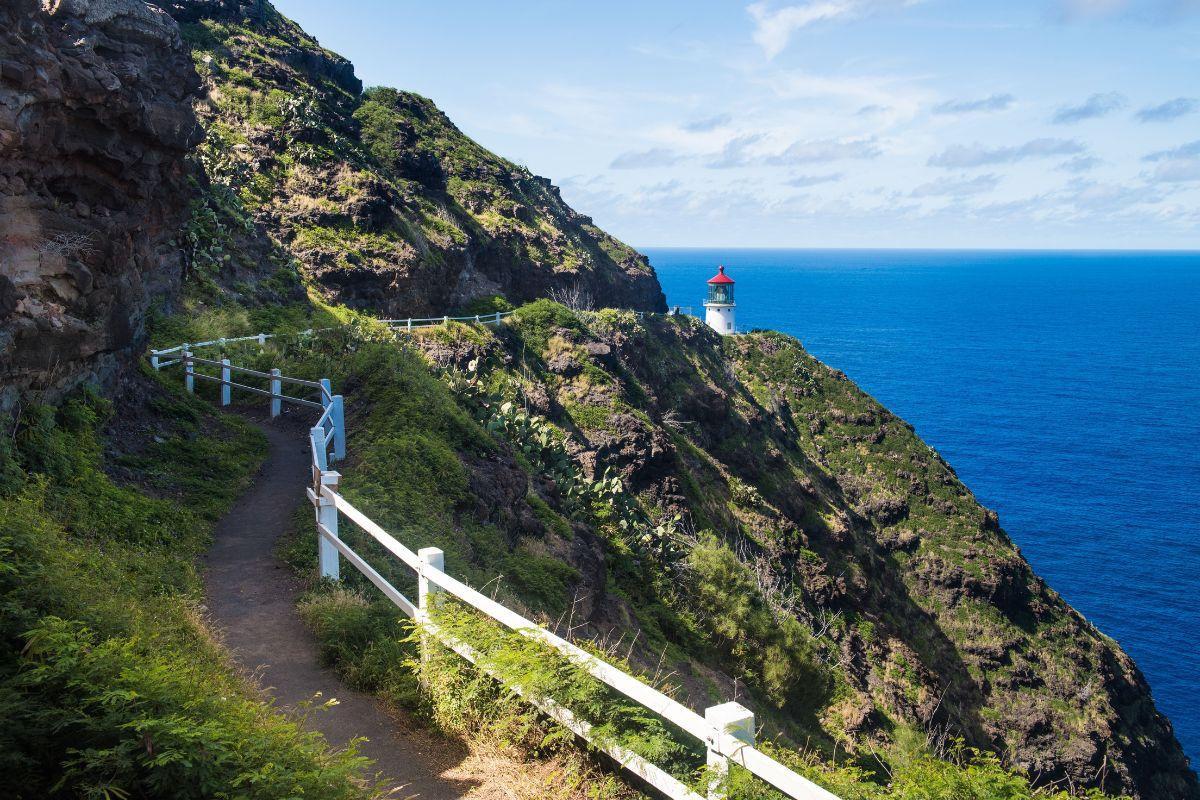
726	731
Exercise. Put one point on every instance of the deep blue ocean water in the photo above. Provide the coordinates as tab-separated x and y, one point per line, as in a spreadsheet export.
1064	387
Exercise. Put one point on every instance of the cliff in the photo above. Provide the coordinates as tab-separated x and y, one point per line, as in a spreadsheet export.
95	123
790	533
761	526
380	199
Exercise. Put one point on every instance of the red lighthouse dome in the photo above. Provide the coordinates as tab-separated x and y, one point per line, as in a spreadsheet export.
720	277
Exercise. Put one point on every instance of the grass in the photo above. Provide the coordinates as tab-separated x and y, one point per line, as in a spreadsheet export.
110	683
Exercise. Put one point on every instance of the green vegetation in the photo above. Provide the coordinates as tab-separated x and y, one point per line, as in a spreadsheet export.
760	523
770	649
465	699
110	685
412	445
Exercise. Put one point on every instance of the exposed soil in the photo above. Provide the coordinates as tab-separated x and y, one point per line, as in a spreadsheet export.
252	600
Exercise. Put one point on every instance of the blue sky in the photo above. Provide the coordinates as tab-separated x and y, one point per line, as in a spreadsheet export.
826	123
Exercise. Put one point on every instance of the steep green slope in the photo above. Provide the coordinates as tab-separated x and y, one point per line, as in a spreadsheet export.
747	516
743	520
383	202
829	512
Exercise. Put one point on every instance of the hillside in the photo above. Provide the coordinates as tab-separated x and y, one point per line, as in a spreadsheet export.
777	532
384	203
740	517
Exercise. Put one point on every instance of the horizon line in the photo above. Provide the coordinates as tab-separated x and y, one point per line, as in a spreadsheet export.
1132	250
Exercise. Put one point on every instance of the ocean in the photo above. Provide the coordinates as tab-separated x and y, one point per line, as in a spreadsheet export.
1064	387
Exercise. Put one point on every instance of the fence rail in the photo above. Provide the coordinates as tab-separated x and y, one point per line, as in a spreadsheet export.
408	323
726	731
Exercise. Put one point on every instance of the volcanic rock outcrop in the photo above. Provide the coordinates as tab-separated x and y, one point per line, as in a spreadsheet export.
95	124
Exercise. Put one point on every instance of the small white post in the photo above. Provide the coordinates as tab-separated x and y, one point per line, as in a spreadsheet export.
276	392
431	558
737	721
262	340
225	388
327	517
326	392
410	324
189	370
445	320
316	436
154	361
497	317
338	416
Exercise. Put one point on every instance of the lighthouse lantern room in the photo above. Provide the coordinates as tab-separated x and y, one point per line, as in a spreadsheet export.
718	307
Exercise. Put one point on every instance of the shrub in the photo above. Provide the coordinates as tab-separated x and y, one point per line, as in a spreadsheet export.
122	717
109	684
776	652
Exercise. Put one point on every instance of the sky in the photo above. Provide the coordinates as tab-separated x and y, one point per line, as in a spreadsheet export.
823	123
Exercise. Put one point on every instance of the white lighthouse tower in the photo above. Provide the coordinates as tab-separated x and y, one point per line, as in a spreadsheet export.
718	308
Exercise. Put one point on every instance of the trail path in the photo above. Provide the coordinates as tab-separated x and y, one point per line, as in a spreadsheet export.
252	599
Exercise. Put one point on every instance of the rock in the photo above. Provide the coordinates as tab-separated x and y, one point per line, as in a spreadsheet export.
95	122
597	349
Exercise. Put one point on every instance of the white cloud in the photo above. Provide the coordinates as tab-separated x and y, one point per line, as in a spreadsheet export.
1098	105
1104	198
646	159
1170	110
744	151
708	124
736	152
995	102
1083	9
773	29
1177	165
885	98
1180	170
1153	11
804	181
825	150
977	155
957	187
1080	164
1189	150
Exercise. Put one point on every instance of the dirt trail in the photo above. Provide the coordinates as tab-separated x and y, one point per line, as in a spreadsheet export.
252	600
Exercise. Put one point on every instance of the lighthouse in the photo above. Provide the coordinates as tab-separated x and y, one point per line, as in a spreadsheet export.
718	307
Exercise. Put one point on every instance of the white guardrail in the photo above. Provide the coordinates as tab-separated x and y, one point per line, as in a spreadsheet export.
727	731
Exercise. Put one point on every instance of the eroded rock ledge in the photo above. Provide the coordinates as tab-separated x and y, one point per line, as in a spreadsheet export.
95	123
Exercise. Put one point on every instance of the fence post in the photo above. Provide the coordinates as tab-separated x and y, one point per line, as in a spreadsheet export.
476	319
497	317
445	320
338	416
431	558
316	438
154	361
225	388
326	392
327	517
262	340
735	720
410	324
276	391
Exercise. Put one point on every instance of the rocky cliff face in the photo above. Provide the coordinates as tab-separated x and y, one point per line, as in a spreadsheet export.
915	608
95	122
378	196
